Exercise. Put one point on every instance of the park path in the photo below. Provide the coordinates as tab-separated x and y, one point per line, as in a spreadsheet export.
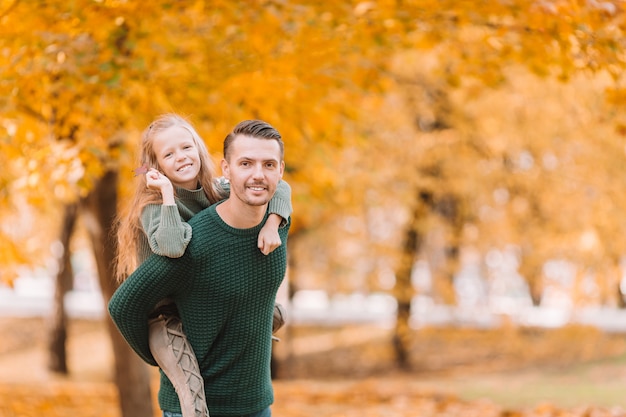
28	390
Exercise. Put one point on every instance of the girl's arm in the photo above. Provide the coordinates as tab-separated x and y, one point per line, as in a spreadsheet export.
168	235
280	204
279	208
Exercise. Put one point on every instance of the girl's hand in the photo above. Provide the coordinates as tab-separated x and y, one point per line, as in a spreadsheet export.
157	181
269	239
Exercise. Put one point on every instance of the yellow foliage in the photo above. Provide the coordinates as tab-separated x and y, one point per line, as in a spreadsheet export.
80	80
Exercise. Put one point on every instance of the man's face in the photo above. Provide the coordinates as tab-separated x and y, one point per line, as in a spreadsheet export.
253	168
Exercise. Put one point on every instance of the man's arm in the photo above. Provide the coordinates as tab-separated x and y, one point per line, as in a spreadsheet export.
157	278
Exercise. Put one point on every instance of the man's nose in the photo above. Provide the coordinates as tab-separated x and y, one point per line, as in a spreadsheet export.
258	171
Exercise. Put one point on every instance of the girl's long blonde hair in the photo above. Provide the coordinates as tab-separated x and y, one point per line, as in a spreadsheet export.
129	229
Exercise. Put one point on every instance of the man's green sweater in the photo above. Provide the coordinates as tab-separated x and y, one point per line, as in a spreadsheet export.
225	290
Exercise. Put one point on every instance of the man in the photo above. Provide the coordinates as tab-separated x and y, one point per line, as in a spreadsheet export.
224	286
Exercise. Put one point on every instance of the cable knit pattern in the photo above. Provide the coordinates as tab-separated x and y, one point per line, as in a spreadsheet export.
225	290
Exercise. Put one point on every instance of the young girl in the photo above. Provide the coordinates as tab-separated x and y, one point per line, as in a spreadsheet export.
178	183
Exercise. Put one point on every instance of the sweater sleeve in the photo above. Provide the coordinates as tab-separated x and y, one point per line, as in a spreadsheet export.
222	186
129	307
281	202
168	235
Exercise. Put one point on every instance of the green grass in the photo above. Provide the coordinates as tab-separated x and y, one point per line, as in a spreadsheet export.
598	383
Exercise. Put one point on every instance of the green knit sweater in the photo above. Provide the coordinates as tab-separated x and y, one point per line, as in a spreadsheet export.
225	289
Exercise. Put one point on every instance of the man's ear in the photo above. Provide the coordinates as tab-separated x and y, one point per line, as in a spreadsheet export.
282	169
225	170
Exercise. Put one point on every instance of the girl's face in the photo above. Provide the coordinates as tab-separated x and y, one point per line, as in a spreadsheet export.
177	155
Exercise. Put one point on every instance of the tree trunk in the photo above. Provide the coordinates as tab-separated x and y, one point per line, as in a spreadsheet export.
403	289
131	373
447	206
531	269
621	299
57	353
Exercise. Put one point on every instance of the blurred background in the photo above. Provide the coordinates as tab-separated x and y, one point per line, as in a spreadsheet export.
457	171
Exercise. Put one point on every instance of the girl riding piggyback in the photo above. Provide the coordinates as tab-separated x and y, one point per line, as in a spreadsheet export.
176	181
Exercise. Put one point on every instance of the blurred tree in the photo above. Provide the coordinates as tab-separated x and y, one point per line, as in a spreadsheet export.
64	105
496	167
524	177
64	279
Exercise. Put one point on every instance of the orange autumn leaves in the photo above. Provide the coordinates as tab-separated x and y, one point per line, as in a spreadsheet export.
374	397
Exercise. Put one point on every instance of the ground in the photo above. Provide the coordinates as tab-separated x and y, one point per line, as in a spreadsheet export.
349	371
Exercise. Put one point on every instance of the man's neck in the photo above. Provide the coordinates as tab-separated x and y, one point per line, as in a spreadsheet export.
240	216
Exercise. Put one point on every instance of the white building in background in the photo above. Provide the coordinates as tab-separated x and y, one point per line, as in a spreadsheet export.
487	294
